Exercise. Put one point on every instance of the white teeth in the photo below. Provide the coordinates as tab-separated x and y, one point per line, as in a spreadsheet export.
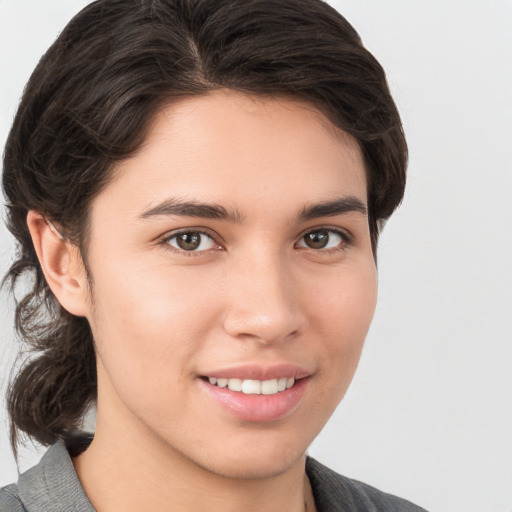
235	384
254	387
251	387
222	383
269	387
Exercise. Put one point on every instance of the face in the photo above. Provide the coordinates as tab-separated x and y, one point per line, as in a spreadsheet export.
234	283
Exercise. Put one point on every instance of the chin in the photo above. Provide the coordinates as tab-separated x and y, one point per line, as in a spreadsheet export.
254	462
255	469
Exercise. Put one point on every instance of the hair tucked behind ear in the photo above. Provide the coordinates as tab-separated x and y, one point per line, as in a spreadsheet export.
88	105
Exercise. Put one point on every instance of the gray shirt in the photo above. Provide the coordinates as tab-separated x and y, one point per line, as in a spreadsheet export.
53	486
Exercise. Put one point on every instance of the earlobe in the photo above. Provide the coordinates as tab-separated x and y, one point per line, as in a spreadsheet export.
61	264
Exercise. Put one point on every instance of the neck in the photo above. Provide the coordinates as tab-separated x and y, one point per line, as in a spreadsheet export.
132	473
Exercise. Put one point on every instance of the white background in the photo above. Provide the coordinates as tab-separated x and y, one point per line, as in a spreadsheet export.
429	415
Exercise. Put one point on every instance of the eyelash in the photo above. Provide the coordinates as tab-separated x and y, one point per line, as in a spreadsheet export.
346	240
165	241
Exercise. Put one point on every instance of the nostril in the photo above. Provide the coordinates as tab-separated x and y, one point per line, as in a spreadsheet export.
274	327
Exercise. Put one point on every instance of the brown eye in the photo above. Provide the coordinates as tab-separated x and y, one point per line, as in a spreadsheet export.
191	241
317	239
323	239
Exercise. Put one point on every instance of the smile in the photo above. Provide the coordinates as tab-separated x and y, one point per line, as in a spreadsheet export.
254	387
256	393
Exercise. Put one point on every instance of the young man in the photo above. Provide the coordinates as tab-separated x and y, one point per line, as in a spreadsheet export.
197	188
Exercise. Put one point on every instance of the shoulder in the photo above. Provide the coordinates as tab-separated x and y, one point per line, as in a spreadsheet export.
10	500
50	485
336	493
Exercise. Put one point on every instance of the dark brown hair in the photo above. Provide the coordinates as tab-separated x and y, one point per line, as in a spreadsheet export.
88	105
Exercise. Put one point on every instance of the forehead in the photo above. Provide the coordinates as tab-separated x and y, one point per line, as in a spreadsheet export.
238	150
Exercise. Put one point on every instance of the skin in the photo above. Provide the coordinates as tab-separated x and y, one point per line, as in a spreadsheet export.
255	293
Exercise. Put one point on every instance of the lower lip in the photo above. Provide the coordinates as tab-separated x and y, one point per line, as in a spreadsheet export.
258	408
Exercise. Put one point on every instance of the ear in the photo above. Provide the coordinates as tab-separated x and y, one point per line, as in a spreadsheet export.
61	263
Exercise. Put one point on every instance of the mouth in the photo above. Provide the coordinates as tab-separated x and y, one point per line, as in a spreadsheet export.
256	393
253	386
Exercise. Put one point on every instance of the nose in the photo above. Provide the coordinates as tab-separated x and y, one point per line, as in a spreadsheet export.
264	304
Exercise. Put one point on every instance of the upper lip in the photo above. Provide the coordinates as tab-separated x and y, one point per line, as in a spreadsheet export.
259	372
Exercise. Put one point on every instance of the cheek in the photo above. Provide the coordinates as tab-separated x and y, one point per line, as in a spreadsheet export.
343	309
344	301
149	320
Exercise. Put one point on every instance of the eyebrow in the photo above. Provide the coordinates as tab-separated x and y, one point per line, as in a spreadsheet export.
192	209
196	209
332	208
